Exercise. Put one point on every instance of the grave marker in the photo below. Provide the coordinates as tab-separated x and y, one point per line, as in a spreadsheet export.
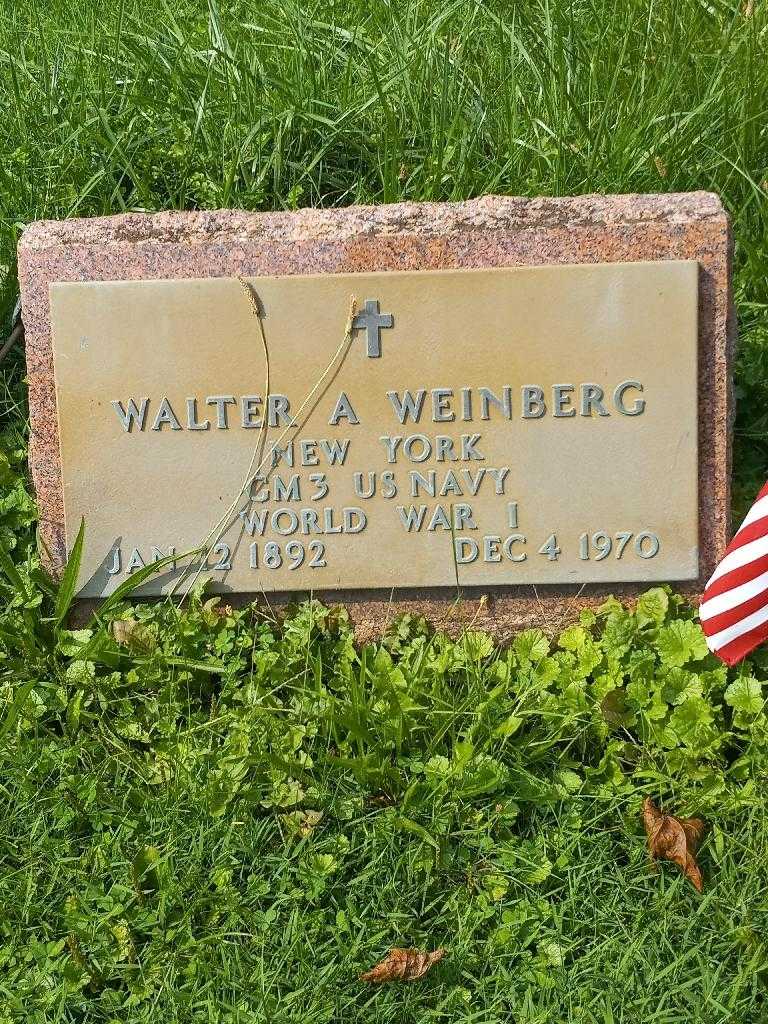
531	396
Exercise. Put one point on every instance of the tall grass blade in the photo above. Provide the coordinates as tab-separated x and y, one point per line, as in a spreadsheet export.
15	709
10	570
66	592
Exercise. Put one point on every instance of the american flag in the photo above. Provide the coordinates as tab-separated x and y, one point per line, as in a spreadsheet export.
734	608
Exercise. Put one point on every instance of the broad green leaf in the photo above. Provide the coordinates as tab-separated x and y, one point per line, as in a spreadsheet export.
690	719
570	780
652	606
508	727
482	775
495	885
80	673
575	638
477	645
551	953
680	642
530	645
72	641
615	709
680	685
745	694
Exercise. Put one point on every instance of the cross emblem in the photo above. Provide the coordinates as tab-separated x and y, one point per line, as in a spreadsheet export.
373	321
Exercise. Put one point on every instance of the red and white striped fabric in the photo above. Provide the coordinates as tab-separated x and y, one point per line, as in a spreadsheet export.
734	608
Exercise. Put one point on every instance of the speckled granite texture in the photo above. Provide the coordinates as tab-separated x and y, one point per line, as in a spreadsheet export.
494	231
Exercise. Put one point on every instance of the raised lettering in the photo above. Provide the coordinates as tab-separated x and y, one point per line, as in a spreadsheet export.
441	405
254	522
343	410
468	449
466	550
249	411
391	445
192	421
410	405
133	415
592	398
221	402
561	400
279	411
411	517
534	406
488	398
426	483
165	414
618	398
289	491
335	451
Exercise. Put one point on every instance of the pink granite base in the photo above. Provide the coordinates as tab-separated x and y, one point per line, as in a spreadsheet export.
495	231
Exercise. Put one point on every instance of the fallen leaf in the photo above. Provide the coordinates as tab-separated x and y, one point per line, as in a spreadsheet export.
675	839
134	634
403	965
122	630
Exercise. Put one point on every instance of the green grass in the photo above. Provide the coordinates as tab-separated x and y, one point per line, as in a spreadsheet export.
237	844
158	858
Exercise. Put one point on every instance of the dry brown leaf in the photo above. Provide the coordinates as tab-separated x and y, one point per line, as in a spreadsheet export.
403	965
134	634
123	630
675	839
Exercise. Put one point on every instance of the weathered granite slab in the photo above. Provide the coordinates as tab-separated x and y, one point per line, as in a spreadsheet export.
485	233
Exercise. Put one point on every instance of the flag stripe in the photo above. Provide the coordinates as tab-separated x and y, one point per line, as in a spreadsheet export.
732	653
725	636
734	597
736	578
734	606
740	556
717	623
756	529
758	511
